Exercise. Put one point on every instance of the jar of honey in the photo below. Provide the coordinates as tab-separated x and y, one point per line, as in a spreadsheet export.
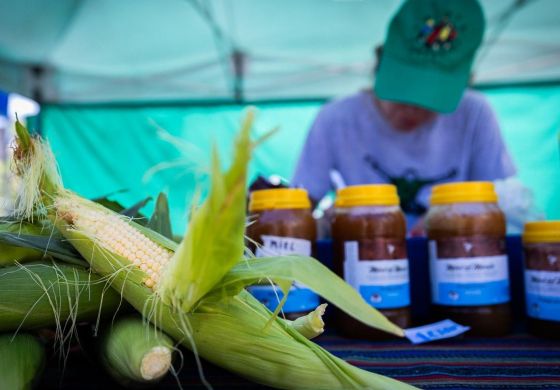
280	223
369	237
541	246
468	262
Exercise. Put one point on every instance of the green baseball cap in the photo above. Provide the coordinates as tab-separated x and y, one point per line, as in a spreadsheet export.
428	53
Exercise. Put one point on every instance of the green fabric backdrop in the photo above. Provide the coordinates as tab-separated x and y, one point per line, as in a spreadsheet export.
102	149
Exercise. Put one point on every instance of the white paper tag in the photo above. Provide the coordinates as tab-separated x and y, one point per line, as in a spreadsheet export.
436	331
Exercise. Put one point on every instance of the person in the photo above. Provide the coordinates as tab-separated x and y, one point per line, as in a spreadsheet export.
420	125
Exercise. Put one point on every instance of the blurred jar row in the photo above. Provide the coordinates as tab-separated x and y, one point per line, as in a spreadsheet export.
468	263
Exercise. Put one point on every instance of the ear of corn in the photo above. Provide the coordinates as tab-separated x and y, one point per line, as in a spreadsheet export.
234	331
134	351
22	359
230	332
40	295
122	248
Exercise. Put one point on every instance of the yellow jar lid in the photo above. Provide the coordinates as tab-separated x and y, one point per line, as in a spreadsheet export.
541	231
367	195
279	198
464	192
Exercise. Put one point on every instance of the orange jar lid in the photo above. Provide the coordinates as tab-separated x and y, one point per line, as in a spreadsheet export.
541	232
279	198
367	195
464	192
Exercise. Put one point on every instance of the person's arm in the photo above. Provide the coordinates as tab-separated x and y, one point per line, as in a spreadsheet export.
316	159
490	159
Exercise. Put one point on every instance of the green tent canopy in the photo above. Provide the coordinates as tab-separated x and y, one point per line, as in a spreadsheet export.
110	73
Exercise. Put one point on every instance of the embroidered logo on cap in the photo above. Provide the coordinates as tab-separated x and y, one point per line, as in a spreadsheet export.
437	35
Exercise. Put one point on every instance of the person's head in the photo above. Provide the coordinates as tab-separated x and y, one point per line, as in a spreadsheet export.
425	62
403	117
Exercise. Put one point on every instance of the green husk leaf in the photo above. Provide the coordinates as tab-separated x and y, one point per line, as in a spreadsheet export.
42	294
311	325
24	138
22	242
36	247
134	210
13	254
161	221
11	249
273	356
22	359
134	351
214	239
313	274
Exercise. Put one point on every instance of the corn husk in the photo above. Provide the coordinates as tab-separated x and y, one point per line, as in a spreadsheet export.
199	299
22	359
311	325
134	351
22	242
42	294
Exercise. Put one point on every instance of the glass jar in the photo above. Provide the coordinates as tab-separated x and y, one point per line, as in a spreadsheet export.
280	223
369	237
541	246
468	262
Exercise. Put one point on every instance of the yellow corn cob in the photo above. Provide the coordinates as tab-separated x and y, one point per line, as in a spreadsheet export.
114	233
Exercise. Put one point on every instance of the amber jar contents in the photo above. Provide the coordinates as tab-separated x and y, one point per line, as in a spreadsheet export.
541	245
468	263
369	237
281	224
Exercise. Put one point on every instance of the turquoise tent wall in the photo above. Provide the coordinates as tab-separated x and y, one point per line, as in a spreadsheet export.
102	149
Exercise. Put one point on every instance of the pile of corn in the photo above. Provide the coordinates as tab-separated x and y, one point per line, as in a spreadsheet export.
193	291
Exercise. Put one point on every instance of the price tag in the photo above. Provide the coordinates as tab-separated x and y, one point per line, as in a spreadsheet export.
436	331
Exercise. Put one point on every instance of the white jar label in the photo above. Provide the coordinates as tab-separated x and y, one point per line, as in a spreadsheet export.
542	289
383	284
468	281
281	246
300	297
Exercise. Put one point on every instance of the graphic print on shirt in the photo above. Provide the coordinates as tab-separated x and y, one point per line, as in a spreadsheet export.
409	184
